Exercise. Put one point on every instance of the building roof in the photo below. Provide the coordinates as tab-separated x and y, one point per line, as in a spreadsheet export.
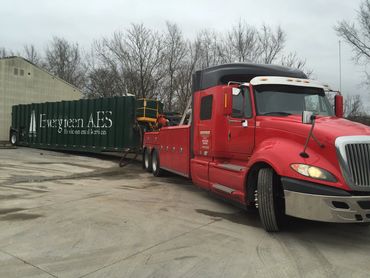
240	72
42	69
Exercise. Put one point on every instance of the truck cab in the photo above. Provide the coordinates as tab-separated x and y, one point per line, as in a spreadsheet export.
265	136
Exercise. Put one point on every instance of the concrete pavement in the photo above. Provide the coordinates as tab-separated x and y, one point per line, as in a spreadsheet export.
65	215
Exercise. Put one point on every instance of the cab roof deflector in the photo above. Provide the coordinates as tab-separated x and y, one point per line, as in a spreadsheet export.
239	72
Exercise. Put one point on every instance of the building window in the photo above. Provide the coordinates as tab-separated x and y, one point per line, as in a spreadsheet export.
206	107
21	72
15	71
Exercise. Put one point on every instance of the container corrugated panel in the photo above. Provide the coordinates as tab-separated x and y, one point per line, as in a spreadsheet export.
105	124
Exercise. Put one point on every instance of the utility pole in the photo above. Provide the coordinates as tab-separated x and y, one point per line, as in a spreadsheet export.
340	66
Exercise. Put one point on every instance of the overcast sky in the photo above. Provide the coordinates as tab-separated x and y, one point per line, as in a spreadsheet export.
308	25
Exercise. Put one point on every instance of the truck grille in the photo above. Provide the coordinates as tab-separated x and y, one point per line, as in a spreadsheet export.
358	161
354	160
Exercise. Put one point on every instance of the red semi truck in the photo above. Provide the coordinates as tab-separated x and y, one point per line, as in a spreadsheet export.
266	136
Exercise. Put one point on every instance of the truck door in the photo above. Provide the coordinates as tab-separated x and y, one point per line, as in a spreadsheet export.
241	125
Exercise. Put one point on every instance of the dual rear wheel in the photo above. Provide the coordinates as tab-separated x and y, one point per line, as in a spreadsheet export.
151	162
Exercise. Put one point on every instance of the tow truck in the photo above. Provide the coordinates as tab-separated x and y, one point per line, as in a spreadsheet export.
266	136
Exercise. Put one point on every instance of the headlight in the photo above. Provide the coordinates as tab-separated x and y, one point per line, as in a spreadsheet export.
313	172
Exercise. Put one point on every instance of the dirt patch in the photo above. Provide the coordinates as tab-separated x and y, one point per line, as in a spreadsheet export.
141	186
11	196
96	195
10	210
65	182
119	173
240	217
20	217
25	188
114	173
184	258
82	165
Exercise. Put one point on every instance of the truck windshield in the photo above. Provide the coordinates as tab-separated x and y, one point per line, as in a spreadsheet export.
284	100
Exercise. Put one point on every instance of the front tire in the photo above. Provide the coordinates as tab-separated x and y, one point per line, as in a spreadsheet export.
270	202
157	171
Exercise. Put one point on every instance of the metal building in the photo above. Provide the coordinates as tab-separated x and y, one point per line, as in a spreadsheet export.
22	82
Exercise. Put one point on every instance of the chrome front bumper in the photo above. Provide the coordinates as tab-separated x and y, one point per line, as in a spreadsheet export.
319	202
325	208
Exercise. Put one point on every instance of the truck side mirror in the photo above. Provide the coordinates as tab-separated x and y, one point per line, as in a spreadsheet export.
228	100
338	103
307	117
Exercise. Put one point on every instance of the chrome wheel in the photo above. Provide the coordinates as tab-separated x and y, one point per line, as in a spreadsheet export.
13	139
146	160
155	163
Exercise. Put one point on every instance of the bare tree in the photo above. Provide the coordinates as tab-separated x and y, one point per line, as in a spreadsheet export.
245	43
174	51
138	55
354	110
353	107
102	58
31	54
271	43
143	53
241	43
5	53
151	64
103	79
64	59
184	78
358	35
292	60
210	49
103	82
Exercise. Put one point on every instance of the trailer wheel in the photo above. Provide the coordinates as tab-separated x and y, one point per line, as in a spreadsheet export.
13	137
157	171
270	200
147	163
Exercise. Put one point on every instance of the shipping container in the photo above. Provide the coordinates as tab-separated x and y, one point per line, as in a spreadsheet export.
93	125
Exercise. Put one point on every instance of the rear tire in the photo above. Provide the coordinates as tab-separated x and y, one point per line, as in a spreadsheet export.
13	138
157	171
270	201
147	163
